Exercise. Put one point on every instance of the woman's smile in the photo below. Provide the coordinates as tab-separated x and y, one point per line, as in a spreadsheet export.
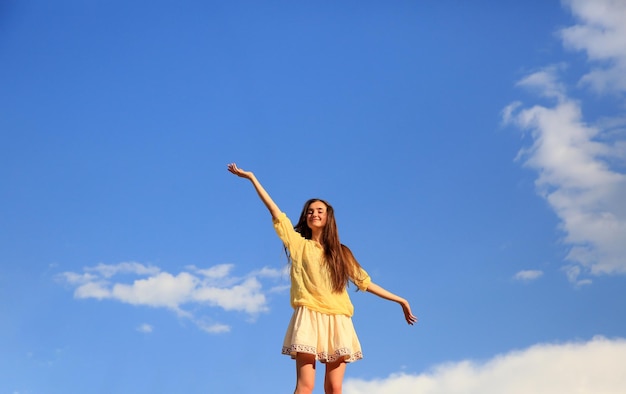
316	214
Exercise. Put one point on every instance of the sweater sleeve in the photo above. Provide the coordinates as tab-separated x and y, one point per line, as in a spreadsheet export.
363	280
284	229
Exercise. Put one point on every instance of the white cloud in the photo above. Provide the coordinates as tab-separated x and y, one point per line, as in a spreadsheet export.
528	275
601	33
212	287
94	289
573	273
593	367
214	328
217	271
145	328
74	278
545	82
578	162
267	272
280	289
161	290
245	297
575	178
107	270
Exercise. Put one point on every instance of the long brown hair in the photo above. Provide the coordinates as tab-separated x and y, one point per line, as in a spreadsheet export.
341	264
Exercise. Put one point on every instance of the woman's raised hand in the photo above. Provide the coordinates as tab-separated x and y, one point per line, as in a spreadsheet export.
265	197
232	167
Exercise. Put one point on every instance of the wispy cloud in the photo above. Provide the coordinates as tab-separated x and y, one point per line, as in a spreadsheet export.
601	34
147	285
528	275
145	328
589	367
578	162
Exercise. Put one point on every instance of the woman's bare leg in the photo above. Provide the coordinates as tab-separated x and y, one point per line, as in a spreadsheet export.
333	380
305	372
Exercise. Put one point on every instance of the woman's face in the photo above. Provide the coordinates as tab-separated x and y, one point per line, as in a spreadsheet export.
316	215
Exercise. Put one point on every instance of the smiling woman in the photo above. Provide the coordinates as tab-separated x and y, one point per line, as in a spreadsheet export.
321	326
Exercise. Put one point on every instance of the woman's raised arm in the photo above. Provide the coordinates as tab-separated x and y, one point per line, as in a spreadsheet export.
265	197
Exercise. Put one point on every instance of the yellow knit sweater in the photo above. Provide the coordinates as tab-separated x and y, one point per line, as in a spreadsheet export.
310	281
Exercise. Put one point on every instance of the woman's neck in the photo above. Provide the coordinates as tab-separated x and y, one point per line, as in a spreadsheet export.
316	235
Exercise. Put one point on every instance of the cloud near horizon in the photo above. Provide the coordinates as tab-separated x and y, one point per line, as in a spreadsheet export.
580	163
149	286
592	367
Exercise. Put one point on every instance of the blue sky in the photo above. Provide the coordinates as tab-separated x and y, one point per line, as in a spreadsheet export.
474	153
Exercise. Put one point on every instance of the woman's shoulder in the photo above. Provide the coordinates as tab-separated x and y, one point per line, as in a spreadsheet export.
285	229
282	216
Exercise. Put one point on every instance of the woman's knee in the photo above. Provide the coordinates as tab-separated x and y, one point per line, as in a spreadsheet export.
304	387
305	384
332	387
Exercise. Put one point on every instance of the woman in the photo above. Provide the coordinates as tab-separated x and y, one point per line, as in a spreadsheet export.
321	326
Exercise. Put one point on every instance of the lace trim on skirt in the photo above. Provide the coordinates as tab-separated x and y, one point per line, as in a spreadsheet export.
339	354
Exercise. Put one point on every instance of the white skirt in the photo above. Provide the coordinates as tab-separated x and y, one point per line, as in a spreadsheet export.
329	337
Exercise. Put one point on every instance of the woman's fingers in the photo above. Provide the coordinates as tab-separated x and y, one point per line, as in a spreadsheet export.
232	167
410	318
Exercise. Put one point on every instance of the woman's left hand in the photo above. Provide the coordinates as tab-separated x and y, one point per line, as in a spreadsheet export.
406	308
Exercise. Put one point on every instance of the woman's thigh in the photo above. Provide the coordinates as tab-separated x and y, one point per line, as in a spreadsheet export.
305	370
